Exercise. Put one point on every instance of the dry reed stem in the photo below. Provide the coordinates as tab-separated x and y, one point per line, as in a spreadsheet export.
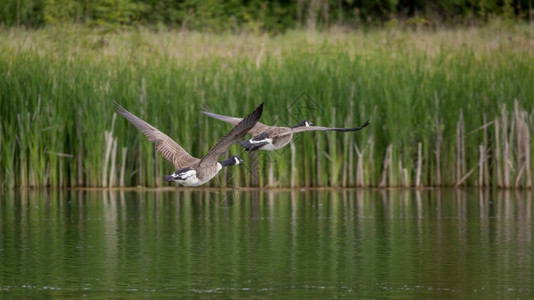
391	175
32	176
123	165
140	164
113	157
439	139
369	157
319	177
401	172
460	147
519	176
419	164
80	181
254	170
22	155
523	146
498	154
334	169
359	167
109	142
486	161
350	170
293	164
108	135
481	164
406	177
61	174
157	177
349	138
387	166
271	175
527	159
506	149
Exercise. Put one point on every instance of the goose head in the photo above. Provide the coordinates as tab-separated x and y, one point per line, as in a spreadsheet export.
237	160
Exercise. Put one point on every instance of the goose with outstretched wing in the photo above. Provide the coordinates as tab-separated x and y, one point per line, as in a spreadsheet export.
192	171
274	137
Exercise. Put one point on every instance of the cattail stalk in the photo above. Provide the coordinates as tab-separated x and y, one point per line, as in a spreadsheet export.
387	166
460	148
319	178
271	175
113	157
419	164
79	181
486	163
254	170
108	139
123	165
293	164
498	154
506	149
481	164
359	167
437	152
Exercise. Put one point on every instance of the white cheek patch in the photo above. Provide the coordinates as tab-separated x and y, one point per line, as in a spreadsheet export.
237	162
307	124
261	141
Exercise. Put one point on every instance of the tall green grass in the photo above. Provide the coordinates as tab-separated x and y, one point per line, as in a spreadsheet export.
466	96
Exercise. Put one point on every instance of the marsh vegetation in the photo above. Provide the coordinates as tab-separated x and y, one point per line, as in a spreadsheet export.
449	107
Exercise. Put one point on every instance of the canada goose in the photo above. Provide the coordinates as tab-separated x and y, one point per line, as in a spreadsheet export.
191	171
273	137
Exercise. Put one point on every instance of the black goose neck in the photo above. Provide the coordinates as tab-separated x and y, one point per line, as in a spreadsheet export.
227	162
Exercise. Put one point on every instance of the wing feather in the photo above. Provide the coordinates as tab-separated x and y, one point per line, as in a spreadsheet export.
168	148
257	129
320	128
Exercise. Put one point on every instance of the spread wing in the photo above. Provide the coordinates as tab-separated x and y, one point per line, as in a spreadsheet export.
168	148
320	128
232	137
257	129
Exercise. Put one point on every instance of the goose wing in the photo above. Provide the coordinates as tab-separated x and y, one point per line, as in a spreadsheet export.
237	133
320	128
168	148
257	129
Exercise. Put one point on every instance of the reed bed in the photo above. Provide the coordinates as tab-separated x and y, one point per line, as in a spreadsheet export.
447	108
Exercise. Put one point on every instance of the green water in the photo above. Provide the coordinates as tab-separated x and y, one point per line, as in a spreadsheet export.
237	244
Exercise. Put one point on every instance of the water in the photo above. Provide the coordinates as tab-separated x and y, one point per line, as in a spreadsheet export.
205	244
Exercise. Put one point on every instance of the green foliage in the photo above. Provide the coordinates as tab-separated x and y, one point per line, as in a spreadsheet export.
273	16
59	11
105	13
22	12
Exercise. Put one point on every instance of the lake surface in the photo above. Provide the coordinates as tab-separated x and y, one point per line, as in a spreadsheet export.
210	244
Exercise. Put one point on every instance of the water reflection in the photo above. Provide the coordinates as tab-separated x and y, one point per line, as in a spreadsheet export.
239	243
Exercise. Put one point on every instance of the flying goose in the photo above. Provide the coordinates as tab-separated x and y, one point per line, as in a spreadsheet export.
273	137
191	171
